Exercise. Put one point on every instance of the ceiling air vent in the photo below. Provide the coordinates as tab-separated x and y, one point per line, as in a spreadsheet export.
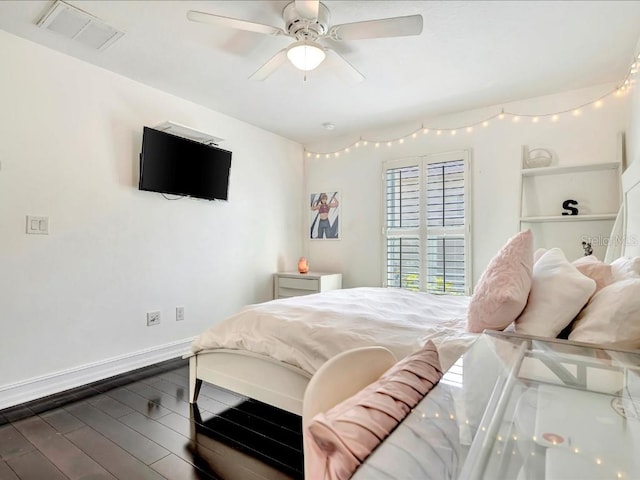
80	26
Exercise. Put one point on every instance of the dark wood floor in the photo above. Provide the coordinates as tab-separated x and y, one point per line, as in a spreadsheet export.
141	426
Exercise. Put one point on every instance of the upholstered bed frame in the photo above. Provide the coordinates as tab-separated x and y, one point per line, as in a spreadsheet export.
630	226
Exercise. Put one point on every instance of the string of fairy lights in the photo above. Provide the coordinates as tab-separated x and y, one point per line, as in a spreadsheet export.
596	103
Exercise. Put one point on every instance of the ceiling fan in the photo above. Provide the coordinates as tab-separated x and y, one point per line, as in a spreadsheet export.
307	21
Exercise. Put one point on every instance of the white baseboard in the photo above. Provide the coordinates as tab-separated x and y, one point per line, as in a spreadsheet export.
34	388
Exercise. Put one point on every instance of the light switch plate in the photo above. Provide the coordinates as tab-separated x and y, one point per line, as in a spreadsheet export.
37	225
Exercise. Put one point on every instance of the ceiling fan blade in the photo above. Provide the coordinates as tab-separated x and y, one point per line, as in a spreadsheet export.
270	66
385	27
342	68
221	21
308	8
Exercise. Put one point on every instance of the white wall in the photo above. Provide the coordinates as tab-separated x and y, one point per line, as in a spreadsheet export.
496	160
71	135
633	129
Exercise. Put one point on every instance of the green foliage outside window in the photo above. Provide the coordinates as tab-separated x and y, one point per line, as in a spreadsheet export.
440	286
411	282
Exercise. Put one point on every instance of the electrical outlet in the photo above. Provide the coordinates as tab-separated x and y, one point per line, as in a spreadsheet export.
179	314
153	318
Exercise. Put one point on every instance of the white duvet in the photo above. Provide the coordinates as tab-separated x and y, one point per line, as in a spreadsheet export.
306	331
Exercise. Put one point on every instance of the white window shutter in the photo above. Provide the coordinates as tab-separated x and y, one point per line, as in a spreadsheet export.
425	218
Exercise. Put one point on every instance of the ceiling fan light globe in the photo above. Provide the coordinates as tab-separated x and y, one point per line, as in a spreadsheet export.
306	56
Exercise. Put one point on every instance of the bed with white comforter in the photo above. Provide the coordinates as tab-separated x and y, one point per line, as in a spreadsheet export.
297	335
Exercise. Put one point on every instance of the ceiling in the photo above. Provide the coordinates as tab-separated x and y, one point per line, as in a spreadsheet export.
469	55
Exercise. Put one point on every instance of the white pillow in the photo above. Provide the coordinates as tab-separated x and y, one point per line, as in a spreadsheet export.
558	293
538	254
625	267
612	316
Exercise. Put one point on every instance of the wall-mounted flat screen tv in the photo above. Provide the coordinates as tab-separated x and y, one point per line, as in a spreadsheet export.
177	165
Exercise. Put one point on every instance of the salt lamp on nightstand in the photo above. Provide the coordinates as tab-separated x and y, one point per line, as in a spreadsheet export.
303	265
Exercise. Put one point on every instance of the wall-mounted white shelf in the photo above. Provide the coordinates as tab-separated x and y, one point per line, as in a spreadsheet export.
587	188
530	172
188	132
570	218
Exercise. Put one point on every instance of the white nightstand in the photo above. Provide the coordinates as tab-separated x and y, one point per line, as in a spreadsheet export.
293	284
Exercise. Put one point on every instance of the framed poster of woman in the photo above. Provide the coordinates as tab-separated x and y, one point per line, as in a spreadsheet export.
325	216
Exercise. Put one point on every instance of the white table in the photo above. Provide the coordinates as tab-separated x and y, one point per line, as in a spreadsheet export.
294	284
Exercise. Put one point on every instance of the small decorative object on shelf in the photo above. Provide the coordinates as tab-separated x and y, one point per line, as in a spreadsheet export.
570	205
587	248
538	157
303	265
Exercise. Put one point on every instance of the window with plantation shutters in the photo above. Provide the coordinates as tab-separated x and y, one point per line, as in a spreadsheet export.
426	223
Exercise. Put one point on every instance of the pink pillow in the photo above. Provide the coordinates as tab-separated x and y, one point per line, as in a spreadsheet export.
503	288
343	437
596	270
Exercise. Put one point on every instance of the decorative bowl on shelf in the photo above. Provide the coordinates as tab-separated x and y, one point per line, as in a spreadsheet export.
538	157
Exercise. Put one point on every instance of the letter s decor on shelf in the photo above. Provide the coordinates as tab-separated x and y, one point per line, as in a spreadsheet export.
570	205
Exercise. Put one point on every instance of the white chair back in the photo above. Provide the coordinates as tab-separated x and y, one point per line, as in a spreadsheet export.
339	378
